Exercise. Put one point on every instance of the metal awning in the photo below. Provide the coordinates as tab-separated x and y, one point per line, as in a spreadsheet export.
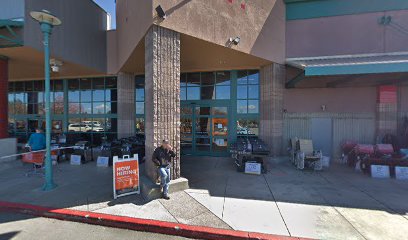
352	64
10	38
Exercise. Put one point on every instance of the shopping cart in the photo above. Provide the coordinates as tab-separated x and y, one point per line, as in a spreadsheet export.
36	159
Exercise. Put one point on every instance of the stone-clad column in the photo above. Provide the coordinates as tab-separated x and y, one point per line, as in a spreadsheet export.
162	94
3	97
126	105
271	105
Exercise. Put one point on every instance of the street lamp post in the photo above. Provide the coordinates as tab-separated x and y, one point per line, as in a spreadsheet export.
47	22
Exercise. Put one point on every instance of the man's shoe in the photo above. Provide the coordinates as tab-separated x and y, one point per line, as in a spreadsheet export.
166	197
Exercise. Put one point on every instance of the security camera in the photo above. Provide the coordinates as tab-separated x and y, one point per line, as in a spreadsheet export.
55	65
55	68
160	12
235	40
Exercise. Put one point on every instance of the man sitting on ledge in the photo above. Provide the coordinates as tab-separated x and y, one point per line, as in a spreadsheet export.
162	157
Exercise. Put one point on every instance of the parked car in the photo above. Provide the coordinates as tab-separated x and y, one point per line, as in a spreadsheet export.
94	123
82	127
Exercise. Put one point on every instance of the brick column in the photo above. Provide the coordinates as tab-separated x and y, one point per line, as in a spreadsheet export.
271	125
162	94
3	97
387	111
126	105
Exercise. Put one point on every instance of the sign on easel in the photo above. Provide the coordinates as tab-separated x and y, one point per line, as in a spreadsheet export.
125	176
380	171
401	173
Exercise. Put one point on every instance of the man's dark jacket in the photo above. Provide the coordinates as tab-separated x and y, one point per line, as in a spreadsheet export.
163	156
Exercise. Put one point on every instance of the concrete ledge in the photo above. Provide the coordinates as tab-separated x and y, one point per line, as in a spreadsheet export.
151	191
137	224
8	146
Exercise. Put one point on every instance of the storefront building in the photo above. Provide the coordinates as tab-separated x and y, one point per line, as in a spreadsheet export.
209	72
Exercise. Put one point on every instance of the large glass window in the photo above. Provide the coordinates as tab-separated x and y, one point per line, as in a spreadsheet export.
205	86
91	107
248	92
140	104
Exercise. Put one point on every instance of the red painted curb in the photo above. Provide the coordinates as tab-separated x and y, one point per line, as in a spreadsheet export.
137	224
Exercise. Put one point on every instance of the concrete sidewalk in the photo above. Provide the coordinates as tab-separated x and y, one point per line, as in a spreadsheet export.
23	227
334	204
89	188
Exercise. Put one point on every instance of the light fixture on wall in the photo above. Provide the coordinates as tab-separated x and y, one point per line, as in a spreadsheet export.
55	65
160	12
323	107
235	40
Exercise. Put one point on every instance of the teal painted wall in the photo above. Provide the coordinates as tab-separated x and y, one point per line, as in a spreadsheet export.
306	9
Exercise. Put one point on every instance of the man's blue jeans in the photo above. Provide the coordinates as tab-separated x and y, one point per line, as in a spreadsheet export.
165	179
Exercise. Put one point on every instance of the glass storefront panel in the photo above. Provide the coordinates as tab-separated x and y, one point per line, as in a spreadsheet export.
207	93
223	92
186	126
98	95
140	125
253	77
186	143
203	126
73	96
220	145
242	91
220	126
223	78
86	108
98	108
207	78
253	106
219	111
203	144
140	108
85	97
253	91
193	79
242	106
248	127
193	93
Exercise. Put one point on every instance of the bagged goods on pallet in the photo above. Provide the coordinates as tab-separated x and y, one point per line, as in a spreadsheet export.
404	153
384	149
364	149
348	146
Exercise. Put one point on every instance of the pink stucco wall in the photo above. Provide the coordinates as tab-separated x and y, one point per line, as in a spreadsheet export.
404	99
343	35
339	100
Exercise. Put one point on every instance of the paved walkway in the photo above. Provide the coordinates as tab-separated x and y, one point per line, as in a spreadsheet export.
89	188
335	204
23	227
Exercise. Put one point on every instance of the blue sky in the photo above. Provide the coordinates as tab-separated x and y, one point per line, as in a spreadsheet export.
109	6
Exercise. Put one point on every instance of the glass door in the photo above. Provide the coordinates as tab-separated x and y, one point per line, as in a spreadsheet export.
204	130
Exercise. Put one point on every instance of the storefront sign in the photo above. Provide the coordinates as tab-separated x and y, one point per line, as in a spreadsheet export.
380	171
401	173
125	176
253	168
387	94
75	160
102	162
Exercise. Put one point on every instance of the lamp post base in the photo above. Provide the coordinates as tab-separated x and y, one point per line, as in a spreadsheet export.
49	186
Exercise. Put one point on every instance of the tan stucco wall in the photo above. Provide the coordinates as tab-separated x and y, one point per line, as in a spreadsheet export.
261	26
338	100
112	52
80	39
133	19
343	35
